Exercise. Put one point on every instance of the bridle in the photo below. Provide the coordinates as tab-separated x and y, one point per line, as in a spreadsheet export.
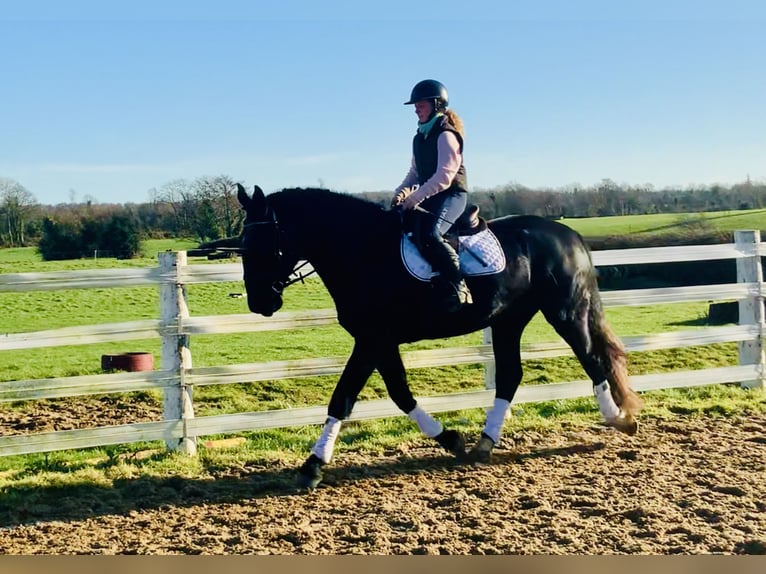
290	274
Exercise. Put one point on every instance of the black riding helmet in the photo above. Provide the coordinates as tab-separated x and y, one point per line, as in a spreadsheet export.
430	90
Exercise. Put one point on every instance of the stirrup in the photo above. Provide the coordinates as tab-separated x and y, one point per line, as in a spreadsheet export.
452	296
464	293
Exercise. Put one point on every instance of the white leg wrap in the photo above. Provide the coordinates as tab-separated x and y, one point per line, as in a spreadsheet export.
495	418
428	425
325	445
609	409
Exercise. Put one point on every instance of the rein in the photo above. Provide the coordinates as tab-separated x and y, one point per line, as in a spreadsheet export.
299	276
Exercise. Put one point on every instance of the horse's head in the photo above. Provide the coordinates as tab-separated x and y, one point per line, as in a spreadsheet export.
263	258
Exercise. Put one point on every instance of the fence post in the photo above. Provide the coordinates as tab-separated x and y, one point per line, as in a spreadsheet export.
751	310
176	356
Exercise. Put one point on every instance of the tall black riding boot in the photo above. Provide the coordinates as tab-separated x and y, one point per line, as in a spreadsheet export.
450	289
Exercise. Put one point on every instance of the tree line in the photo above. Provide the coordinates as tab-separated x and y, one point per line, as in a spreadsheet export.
206	208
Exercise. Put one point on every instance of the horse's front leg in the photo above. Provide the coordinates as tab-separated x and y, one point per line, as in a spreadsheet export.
355	374
506	346
392	370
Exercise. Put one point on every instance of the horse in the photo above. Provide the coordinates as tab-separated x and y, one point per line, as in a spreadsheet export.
354	246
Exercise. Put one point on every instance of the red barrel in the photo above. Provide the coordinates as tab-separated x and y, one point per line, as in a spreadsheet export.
136	361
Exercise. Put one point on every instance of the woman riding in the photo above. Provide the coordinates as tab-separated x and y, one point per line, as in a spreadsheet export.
434	191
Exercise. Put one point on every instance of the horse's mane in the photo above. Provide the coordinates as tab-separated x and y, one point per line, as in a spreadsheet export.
326	220
331	201
344	213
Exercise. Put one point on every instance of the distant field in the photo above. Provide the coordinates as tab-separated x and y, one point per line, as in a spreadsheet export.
665	223
27	259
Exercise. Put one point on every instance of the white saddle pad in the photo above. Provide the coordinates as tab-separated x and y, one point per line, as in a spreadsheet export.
480	254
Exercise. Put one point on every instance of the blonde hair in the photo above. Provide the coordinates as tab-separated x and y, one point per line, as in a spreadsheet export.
455	120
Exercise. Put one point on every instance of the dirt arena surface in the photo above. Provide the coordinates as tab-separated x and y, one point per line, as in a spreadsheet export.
688	485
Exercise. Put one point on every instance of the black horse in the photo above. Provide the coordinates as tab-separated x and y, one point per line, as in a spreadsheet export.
353	245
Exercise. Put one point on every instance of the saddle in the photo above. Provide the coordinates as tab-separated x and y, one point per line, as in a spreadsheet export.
478	249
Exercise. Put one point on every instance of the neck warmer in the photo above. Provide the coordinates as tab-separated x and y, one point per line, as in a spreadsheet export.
425	127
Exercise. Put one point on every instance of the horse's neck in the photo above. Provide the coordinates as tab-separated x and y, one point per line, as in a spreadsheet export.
344	240
329	224
340	239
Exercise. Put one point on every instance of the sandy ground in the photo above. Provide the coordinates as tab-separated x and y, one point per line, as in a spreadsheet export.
689	485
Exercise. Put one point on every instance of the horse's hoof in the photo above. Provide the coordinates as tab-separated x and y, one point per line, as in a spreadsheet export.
310	473
482	449
452	441
624	422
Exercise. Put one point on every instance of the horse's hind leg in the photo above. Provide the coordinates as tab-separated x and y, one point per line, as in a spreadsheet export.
584	327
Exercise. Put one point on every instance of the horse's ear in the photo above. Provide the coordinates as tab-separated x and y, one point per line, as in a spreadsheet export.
258	203
244	199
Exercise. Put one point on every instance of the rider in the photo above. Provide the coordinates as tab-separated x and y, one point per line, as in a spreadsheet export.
434	191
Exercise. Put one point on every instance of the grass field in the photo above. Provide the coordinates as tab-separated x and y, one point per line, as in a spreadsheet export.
23	312
668	223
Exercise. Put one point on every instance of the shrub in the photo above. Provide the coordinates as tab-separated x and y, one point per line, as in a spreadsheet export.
115	236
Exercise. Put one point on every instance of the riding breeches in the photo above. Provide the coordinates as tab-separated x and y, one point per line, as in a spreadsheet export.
428	231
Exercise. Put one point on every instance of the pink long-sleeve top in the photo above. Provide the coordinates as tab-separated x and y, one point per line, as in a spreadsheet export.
448	162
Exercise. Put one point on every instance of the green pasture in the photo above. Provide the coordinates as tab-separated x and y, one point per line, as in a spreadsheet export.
28	260
668	223
24	312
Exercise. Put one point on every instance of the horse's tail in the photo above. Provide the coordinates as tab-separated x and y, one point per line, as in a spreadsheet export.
611	352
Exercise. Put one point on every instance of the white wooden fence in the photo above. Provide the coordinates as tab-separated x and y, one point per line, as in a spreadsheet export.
180	428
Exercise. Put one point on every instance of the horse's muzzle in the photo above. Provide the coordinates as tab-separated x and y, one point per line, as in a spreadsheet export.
265	308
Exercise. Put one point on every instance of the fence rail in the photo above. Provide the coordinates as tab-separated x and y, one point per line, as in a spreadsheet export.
176	377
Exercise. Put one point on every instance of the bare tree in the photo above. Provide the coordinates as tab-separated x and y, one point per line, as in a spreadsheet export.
16	205
206	207
179	195
218	195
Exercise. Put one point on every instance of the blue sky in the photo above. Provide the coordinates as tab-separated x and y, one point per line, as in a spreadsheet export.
108	100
